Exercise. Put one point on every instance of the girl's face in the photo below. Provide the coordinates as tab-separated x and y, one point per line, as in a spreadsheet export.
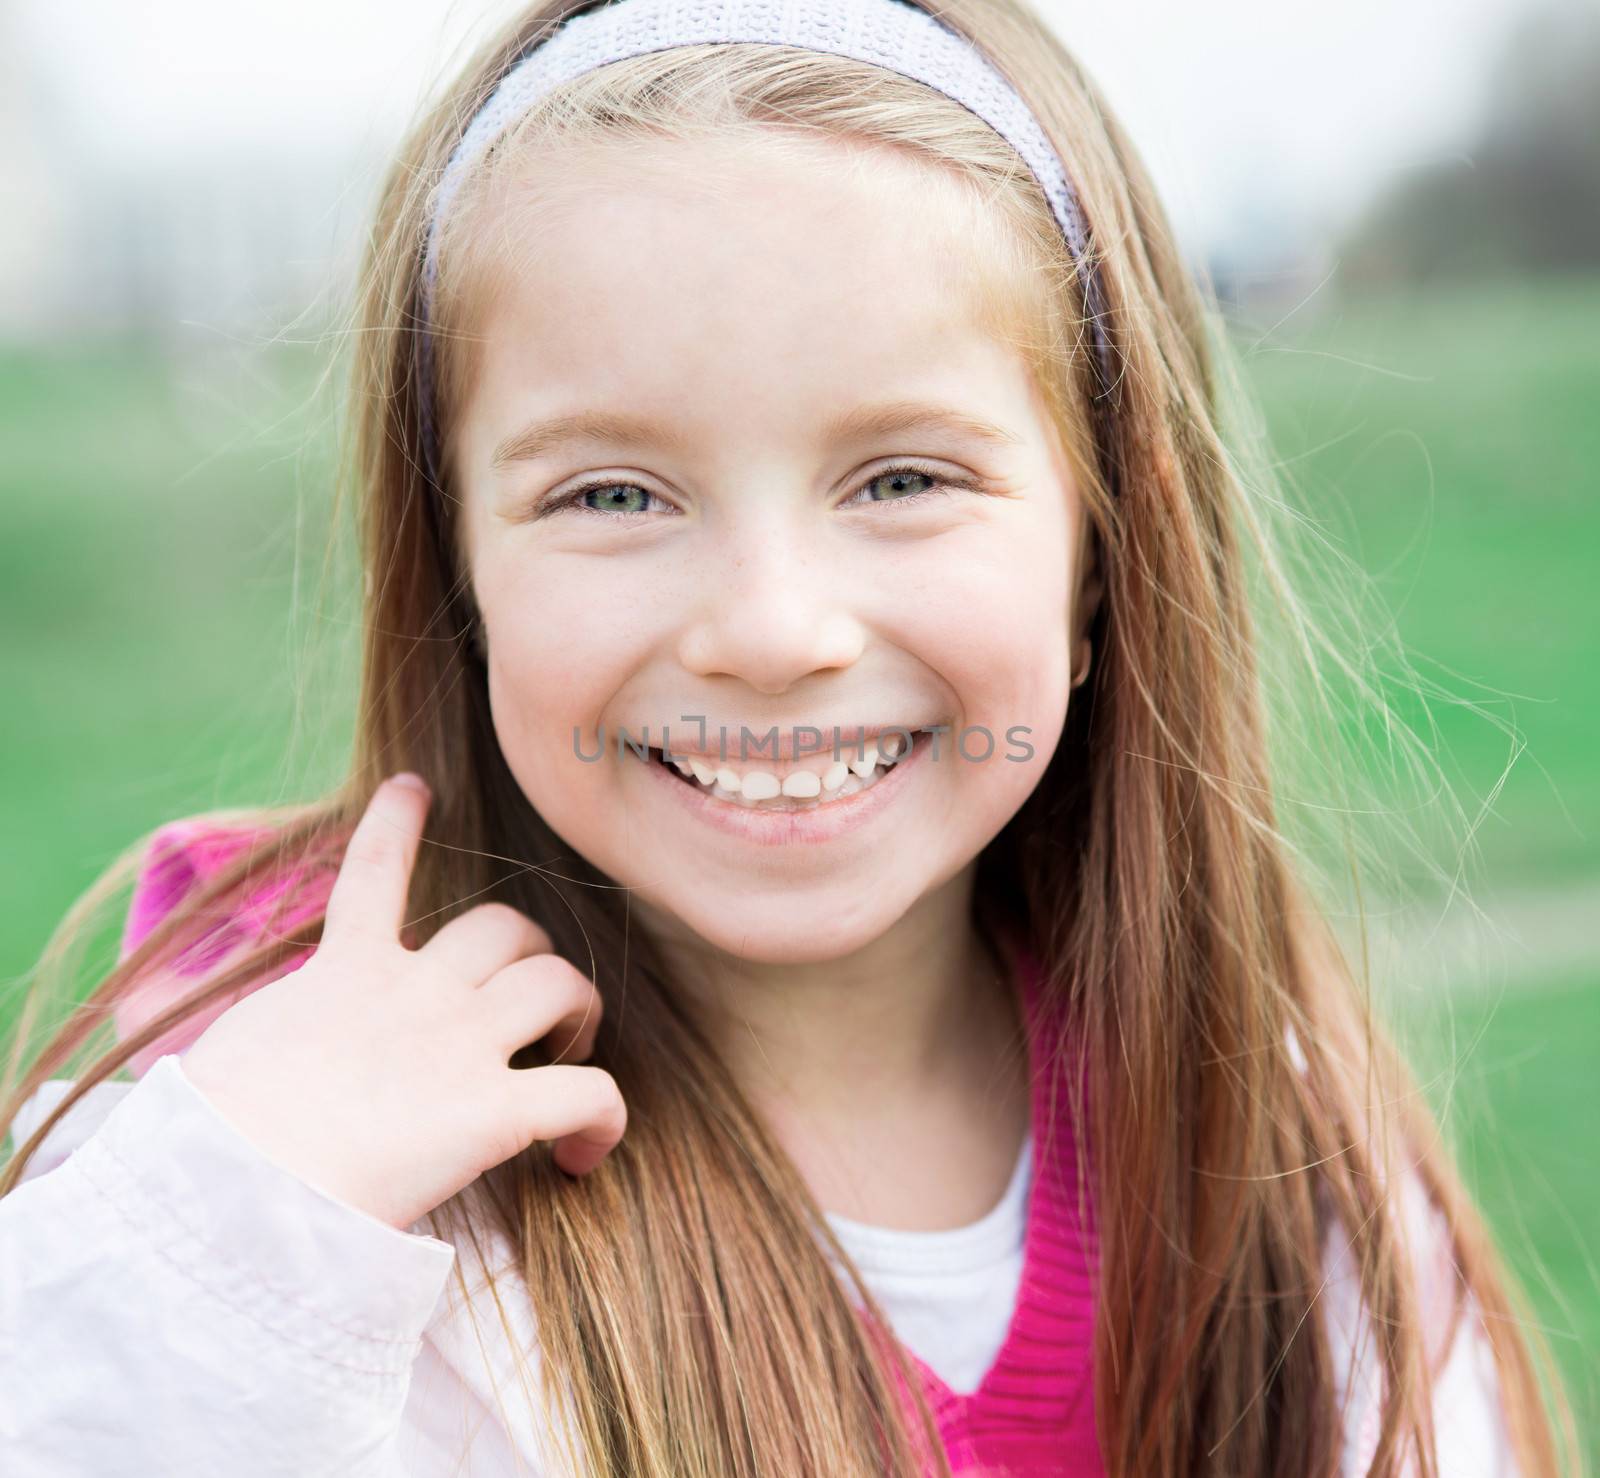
736	449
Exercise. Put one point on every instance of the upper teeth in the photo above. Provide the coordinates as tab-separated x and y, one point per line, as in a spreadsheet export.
755	784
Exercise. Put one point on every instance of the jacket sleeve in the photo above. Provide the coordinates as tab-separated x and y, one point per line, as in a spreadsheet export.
1470	1434
172	1301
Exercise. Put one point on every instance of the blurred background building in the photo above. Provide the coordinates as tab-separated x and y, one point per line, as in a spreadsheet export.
173	169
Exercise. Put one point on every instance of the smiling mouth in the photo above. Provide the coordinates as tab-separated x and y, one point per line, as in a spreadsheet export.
755	789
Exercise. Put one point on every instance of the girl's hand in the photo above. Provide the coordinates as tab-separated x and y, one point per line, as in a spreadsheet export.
379	1073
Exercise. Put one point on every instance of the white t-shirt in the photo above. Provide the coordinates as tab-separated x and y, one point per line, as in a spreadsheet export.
949	1294
174	1302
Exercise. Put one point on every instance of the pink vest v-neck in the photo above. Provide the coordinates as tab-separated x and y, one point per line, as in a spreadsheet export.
1032	1415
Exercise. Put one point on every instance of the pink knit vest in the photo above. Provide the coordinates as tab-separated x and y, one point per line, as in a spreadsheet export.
1032	1416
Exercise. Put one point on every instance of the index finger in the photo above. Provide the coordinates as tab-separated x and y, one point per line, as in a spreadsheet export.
374	878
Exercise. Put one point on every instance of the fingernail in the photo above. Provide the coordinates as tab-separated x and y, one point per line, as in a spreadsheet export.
412	781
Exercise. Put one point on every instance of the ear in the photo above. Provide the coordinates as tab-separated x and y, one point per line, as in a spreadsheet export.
474	630
1091	578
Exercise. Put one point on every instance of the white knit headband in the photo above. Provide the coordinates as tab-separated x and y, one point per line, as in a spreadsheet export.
892	34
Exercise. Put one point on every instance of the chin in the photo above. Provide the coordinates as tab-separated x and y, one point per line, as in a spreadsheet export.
779	931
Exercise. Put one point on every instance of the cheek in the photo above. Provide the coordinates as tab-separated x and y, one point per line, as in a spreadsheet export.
559	649
989	614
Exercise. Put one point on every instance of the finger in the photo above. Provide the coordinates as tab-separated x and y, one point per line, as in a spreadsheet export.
374	878
543	996
475	944
580	1108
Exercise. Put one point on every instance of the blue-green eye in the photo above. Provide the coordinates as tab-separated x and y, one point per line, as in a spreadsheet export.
898	483
621	500
628	500
615	497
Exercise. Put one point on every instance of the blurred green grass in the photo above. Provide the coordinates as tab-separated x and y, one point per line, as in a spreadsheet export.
1450	443
148	590
1512	1077
155	618
147	532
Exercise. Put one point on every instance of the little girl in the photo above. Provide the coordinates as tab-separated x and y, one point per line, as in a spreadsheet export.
804	975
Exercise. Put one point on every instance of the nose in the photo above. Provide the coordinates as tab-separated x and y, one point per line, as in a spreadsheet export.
770	613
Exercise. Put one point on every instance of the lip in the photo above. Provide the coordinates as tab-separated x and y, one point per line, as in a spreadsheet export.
791	828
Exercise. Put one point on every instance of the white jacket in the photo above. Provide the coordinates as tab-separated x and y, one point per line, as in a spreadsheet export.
174	1303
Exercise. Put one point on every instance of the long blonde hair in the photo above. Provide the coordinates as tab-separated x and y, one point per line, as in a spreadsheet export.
1173	910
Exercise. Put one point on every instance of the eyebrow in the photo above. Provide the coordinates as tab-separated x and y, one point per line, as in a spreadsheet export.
621	428
539	438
